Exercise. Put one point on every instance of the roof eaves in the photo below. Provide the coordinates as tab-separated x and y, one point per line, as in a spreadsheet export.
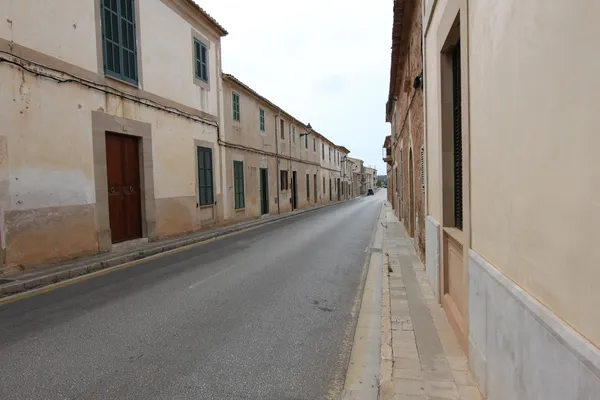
399	6
206	15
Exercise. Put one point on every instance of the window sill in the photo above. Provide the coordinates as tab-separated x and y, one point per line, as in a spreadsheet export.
207	206
122	81
202	84
456	234
240	209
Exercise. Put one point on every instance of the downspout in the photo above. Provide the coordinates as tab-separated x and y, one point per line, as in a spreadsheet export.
423	87
277	162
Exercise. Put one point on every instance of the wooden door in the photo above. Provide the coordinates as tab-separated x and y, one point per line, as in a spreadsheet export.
264	191
294	190
411	194
124	199
315	188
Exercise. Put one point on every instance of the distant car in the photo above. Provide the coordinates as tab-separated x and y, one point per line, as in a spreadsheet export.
370	192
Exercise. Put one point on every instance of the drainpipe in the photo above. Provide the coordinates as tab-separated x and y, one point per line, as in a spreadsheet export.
423	86
277	162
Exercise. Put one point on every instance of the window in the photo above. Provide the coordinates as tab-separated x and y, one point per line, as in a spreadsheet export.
293	129
119	39
205	176
236	106
323	154
282	129
308	187
315	145
457	137
330	154
238	184
262	119
306	141
324	186
201	60
284	179
402	173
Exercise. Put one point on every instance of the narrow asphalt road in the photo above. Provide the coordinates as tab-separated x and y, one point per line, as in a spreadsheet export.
265	314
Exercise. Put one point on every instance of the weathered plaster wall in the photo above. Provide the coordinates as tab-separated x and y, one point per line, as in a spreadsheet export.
168	59
71	36
534	118
49	194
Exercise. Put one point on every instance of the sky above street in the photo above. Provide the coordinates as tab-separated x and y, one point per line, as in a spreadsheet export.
324	61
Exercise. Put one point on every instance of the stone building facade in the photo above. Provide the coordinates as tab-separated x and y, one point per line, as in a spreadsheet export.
108	141
285	164
404	111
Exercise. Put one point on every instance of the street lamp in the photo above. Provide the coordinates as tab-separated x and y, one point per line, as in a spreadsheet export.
308	130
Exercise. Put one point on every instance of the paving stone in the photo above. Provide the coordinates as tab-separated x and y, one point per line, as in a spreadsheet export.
409	386
408	374
441	390
428	363
463	378
469	393
409	362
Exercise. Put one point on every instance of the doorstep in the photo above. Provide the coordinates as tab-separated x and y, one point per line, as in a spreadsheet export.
14	283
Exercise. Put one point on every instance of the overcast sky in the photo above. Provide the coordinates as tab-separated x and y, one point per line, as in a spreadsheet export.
324	61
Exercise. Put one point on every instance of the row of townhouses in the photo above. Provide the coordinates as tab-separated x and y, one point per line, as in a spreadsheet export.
119	125
493	169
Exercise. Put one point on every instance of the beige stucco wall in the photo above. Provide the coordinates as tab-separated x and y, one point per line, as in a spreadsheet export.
167	57
47	153
432	111
70	36
534	140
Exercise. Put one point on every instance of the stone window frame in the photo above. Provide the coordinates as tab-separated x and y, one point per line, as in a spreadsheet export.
197	36
100	45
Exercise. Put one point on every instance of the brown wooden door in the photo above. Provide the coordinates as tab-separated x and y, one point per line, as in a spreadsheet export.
124	201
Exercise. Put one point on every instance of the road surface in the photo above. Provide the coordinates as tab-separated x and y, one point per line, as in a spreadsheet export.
264	314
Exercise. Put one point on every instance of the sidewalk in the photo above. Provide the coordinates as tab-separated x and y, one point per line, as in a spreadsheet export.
421	358
13	284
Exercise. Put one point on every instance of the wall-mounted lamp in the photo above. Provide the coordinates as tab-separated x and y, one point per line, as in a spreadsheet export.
308	130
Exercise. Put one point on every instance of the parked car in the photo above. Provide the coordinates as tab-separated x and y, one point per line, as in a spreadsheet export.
370	192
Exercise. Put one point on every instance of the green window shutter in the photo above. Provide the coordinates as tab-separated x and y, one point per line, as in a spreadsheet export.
201	60
236	107
238	178
262	120
314	144
205	176
119	39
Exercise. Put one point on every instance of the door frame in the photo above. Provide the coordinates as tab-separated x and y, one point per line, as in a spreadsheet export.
264	193
121	139
101	124
294	190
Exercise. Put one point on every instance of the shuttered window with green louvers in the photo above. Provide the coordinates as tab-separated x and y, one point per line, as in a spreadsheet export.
201	60
205	176
457	115
119	39
238	182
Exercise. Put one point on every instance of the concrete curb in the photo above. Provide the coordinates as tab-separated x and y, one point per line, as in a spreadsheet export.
80	267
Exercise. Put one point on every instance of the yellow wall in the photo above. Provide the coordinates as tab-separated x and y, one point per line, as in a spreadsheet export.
535	192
